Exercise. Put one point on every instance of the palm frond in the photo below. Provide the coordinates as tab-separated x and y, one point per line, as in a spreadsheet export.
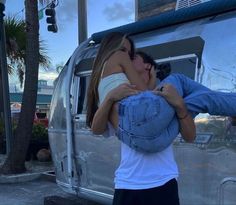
20	73
10	69
15	38
44	59
16	46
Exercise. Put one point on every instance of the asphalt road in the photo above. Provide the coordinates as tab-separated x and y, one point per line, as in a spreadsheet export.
34	193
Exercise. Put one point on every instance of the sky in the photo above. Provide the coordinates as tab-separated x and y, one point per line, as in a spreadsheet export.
101	15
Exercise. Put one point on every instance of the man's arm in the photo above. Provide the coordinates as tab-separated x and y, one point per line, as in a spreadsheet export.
100	119
102	115
186	122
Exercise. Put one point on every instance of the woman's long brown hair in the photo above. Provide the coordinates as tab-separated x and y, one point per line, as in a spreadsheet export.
110	44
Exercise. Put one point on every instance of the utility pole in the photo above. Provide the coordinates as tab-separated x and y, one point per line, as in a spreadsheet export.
82	21
136	6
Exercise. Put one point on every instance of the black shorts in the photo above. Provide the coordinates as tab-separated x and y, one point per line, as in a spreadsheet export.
166	194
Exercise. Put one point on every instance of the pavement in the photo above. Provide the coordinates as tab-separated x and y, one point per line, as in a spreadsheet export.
35	187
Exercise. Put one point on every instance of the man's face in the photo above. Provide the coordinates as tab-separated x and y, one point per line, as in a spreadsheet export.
142	68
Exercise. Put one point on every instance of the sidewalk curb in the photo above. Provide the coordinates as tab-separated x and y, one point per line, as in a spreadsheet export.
24	177
6	179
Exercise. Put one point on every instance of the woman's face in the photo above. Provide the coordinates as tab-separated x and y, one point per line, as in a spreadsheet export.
127	46
142	68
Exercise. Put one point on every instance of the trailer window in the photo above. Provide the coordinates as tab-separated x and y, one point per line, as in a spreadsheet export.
82	94
184	55
186	65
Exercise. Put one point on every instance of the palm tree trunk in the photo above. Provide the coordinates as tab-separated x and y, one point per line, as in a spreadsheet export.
1	116
15	162
1	96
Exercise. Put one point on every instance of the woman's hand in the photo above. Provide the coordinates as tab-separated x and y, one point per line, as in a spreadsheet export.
122	91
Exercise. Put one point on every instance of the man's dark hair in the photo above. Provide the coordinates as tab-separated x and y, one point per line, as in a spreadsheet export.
147	58
163	70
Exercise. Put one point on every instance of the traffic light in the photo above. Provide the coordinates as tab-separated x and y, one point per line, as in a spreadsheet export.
51	18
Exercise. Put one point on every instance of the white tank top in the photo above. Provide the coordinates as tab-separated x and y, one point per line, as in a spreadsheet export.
139	170
110	82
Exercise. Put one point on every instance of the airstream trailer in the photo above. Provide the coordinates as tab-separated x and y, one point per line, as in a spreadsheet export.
198	41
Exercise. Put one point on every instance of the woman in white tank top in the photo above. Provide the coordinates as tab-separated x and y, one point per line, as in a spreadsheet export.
141	178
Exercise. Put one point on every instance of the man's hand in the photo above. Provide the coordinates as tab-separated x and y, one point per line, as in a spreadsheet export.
187	126
170	94
122	91
152	79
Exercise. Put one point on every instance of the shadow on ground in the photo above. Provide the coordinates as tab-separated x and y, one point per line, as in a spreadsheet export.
41	189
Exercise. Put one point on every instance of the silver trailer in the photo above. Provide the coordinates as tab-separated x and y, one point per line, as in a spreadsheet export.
200	42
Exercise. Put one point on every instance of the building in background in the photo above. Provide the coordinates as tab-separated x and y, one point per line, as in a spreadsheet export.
146	8
44	97
44	88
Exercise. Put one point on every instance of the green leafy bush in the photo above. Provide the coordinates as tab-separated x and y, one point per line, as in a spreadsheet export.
39	132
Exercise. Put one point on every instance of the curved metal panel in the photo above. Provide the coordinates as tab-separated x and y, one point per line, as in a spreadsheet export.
171	18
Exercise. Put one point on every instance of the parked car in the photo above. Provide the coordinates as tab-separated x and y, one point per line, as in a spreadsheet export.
41	118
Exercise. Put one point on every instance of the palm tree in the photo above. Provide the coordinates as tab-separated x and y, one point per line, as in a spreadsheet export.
16	47
15	162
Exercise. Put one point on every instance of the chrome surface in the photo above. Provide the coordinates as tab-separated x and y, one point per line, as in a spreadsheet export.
203	164
98	157
222	188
